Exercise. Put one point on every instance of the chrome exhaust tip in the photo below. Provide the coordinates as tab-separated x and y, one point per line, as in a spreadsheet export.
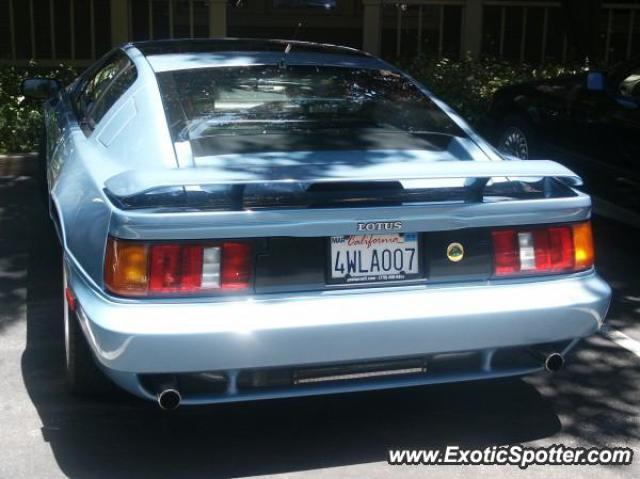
554	362
169	399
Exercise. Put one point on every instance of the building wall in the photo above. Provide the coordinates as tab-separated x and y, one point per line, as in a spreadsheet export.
54	29
268	19
78	31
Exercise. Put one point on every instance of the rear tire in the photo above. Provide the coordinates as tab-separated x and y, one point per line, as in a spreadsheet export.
83	375
516	137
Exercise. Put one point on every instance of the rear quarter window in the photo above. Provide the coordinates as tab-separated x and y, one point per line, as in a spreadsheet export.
103	89
118	86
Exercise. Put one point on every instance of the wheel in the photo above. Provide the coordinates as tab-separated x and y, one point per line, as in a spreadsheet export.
516	137
83	375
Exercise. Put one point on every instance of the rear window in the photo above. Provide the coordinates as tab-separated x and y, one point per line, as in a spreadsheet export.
316	101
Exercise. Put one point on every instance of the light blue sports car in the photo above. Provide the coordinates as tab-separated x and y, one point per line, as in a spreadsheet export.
248	219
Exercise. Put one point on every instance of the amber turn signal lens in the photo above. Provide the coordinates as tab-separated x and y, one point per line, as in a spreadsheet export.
125	267
583	245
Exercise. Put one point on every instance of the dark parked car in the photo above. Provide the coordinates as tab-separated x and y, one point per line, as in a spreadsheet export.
589	121
595	113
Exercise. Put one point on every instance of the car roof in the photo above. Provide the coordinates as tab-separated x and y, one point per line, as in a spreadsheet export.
185	54
218	45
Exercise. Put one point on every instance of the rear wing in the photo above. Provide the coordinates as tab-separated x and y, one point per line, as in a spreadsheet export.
345	186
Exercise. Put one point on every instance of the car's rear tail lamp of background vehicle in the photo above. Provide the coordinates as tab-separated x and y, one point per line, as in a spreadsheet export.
156	269
541	250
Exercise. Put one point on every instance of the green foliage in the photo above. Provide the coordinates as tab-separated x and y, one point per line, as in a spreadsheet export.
468	85
21	118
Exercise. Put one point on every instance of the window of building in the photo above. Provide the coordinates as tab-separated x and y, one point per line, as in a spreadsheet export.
322	4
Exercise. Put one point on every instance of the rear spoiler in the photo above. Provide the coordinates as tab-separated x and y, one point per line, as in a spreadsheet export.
213	188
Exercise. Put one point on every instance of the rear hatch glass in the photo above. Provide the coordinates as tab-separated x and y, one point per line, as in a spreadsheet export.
268	108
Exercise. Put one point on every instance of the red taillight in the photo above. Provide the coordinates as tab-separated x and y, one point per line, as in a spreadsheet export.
561	251
156	269
505	250
553	249
175	268
236	265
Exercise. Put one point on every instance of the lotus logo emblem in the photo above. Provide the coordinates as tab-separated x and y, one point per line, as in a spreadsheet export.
380	226
455	252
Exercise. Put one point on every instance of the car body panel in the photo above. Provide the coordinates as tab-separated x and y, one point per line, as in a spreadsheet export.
321	327
131	339
302	223
181	61
334	166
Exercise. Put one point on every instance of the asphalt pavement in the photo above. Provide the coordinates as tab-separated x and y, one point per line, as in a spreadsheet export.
46	433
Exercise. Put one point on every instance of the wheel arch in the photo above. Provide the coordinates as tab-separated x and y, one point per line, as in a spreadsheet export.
509	102
524	106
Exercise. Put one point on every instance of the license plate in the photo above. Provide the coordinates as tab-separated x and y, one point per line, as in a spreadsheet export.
374	258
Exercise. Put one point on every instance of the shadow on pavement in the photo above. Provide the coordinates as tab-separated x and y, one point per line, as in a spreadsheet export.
597	398
14	212
121	436
618	262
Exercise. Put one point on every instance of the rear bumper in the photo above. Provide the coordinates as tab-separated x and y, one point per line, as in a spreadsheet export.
132	338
